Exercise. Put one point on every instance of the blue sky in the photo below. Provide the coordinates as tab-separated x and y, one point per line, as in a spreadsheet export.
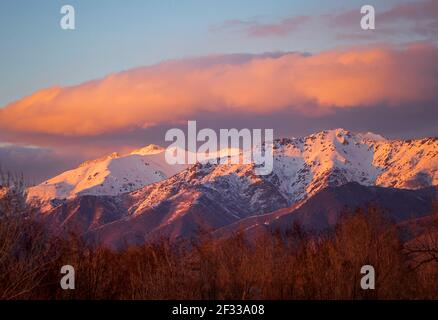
115	35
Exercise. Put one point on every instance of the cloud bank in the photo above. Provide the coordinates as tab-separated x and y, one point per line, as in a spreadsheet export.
175	91
35	164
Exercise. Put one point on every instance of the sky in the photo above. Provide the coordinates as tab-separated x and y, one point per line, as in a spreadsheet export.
132	69
115	35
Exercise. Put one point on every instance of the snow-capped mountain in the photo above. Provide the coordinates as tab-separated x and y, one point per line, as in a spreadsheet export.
303	166
207	197
111	175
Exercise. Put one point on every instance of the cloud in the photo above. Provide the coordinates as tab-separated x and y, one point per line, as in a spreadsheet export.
413	18
254	28
36	164
413	11
175	91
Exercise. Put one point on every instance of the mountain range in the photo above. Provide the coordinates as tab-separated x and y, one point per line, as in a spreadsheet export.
121	200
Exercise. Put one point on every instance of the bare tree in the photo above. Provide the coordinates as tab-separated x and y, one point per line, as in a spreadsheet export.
424	249
23	245
12	194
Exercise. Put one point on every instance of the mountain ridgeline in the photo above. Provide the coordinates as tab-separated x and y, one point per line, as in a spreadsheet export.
136	198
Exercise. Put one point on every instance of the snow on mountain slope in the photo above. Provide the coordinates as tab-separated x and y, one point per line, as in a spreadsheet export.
409	164
304	166
208	196
110	175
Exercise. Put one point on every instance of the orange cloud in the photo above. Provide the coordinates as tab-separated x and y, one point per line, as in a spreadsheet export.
176	90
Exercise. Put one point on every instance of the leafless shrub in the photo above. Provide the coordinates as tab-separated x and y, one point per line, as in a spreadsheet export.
12	194
295	265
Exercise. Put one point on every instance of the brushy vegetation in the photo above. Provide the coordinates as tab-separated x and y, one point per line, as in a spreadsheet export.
297	265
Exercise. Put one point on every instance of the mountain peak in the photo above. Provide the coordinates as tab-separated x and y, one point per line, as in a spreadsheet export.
111	156
149	149
372	136
341	133
301	167
110	175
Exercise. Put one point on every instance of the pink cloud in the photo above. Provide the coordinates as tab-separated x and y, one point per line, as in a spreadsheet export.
178	90
258	29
